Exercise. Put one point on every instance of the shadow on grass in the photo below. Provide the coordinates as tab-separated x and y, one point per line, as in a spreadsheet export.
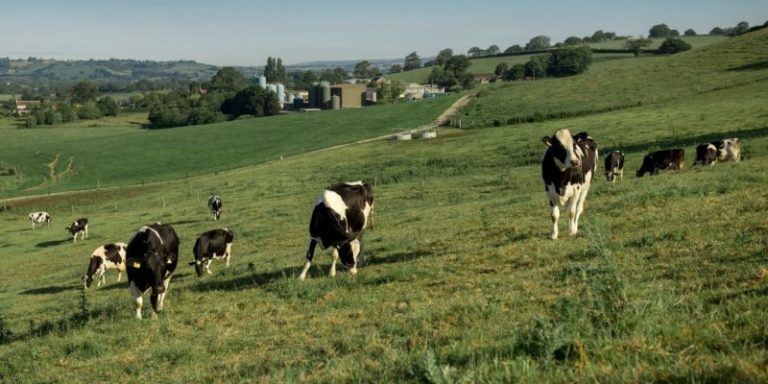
735	295
182	222
695	140
50	290
750	67
52	243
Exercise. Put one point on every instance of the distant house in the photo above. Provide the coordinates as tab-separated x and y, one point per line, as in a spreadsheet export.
25	106
484	79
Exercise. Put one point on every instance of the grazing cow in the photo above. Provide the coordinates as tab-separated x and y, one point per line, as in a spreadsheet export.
151	257
567	169
214	204
668	158
214	244
107	256
78	226
614	165
39	218
340	215
710	153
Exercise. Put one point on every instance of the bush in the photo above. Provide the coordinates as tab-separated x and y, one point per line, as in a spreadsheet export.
673	45
569	61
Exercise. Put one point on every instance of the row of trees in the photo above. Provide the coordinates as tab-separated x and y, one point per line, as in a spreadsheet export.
561	62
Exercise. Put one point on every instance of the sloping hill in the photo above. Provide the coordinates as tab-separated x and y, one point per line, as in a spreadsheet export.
664	283
620	84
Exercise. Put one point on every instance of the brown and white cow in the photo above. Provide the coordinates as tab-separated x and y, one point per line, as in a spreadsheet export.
210	245
39	218
78	226
567	169
340	215
107	256
614	165
720	150
668	158
151	257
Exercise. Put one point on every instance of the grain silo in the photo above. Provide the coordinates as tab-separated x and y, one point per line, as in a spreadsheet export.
280	93
262	81
325	95
335	102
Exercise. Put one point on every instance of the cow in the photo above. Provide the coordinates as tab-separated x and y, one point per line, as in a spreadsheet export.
39	218
214	204
338	219
710	153
107	256
668	158
614	165
567	169
214	244
78	226
151	257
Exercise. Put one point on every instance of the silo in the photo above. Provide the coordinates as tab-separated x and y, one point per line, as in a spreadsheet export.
272	87
325	95
313	99
262	81
335	102
280	93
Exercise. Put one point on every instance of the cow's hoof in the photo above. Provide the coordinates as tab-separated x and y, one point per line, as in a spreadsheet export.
553	236
353	270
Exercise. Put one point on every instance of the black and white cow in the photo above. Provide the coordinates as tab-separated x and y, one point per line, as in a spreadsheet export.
667	158
78	226
340	215
107	256
567	169
214	204
39	218
214	244
151	257
710	153
614	165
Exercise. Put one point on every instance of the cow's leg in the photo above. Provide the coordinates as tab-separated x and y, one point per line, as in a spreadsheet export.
572	211
161	296
310	255
228	254
356	247
208	265
580	207
137	299
554	213
119	275
334	259
85	234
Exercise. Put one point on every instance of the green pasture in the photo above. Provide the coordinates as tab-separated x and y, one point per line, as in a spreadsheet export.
665	282
122	153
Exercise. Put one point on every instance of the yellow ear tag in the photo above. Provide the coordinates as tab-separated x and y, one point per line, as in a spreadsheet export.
169	261
137	265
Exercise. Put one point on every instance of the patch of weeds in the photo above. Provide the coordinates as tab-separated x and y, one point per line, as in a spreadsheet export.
426	369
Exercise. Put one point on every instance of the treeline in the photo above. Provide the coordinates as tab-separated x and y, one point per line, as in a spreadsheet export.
226	96
44	90
557	63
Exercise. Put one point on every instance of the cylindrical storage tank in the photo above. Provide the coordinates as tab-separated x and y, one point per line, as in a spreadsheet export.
429	134
272	87
280	93
298	103
262	81
325	95
335	102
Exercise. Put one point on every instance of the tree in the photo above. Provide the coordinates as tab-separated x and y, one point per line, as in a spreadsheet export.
501	69
513	49
537	66
689	32
412	61
572	40
442	78
88	111
537	43
227	80
740	28
673	45
598	36
492	50
517	72
274	71
395	68
659	30
475	52
717	31
457	65
362	69
569	61
254	101
443	56
389	91
636	44
82	92
107	106
674	33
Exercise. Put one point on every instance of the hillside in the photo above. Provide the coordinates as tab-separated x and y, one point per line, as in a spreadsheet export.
665	282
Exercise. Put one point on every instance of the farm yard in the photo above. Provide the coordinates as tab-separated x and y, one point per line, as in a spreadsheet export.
665	282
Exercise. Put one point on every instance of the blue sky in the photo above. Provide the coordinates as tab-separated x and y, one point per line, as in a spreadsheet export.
240	32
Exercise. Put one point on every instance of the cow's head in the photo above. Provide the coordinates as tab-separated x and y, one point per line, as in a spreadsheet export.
199	266
647	166
93	267
564	149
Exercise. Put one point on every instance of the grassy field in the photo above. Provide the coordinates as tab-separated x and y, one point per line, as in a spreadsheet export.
485	66
665	282
121	153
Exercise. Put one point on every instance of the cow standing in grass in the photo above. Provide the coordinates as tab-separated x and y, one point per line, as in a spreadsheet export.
151	257
614	165
720	150
340	215
667	158
214	204
567	169
39	218
210	245
107	256
78	226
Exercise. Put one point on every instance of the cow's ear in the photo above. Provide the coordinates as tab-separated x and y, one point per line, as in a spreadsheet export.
546	140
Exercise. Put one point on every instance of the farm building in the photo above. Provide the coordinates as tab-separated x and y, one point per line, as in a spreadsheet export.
25	106
350	95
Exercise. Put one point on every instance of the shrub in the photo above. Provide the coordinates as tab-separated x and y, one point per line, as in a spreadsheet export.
569	61
673	45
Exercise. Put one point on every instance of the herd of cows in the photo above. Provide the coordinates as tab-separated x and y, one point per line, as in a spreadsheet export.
343	211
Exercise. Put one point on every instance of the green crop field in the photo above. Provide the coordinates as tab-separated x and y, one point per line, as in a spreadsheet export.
665	282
